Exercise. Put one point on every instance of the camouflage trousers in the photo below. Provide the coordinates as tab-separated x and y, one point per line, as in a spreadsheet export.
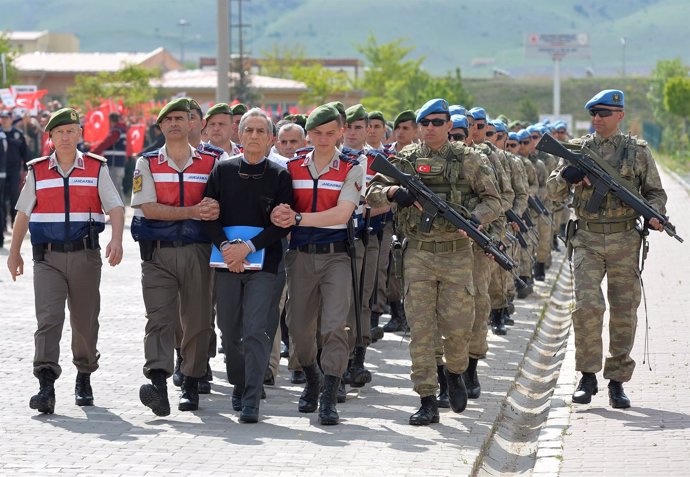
501	285
525	255
543	252
481	275
384	256
439	299
616	257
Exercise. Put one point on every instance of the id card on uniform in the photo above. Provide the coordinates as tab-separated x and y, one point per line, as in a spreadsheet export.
245	233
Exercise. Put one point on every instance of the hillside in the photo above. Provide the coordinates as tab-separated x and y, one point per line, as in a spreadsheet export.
448	33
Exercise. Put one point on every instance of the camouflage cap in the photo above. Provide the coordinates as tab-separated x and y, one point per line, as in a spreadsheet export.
239	109
321	115
219	108
61	117
178	104
407	115
377	115
355	113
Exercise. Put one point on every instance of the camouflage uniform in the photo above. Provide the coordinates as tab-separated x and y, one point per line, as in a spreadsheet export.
438	265
532	189
543	251
607	243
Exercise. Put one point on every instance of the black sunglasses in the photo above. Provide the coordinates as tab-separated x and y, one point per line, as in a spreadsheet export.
457	137
252	176
525	142
436	122
490	133
480	125
535	136
512	144
603	113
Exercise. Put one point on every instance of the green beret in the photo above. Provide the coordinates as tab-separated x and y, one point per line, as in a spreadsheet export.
514	124
194	105
339	106
321	115
355	113
503	118
178	104
407	115
377	115
239	109
300	119
61	117
220	108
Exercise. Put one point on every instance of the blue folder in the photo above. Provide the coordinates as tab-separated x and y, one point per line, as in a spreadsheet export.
246	233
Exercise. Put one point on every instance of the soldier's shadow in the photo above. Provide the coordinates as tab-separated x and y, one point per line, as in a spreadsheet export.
99	422
645	418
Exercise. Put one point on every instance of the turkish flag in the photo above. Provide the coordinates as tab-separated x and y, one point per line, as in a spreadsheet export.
423	168
28	100
135	139
97	124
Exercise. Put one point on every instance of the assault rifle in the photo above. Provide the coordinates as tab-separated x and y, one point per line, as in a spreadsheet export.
605	182
433	206
513	217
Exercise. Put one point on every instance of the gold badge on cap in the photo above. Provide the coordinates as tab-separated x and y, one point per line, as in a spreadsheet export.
616	98
73	116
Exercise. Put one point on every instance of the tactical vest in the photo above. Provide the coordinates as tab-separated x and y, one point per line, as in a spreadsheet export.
444	175
176	189
117	153
612	209
65	205
317	195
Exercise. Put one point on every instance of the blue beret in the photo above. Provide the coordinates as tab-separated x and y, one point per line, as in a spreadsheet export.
607	97
454	109
543	130
560	125
523	134
432	106
513	136
532	129
478	113
500	126
459	121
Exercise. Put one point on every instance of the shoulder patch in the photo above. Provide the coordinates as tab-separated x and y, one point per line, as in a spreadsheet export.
150	154
641	142
345	158
212	148
96	156
37	160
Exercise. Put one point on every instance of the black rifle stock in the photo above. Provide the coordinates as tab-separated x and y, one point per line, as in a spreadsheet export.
433	206
603	183
352	252
513	217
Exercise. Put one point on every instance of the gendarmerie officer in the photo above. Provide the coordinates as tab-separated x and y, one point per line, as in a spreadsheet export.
62	204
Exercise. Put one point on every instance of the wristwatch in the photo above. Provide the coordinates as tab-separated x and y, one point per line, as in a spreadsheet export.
298	218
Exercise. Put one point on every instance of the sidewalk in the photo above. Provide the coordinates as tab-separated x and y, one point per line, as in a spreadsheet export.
653	436
119	436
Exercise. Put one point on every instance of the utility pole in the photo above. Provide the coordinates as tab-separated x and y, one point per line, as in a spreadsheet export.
223	52
623	42
241	88
182	24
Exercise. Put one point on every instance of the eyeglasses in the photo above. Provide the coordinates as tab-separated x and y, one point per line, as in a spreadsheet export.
535	136
252	176
512	144
525	142
490	133
499	136
603	113
457	137
436	122
480	125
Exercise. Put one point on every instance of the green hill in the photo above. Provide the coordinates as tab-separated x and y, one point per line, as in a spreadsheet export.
448	33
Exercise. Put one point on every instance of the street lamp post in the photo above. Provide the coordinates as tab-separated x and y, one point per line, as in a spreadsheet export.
182	24
623	42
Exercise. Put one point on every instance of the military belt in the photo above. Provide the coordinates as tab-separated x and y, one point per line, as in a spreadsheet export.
75	246
320	248
170	243
606	227
439	247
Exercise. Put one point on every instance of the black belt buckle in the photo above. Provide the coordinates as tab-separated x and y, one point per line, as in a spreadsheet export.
68	247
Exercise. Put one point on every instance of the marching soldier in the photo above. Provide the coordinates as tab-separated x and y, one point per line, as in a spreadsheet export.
607	243
62	204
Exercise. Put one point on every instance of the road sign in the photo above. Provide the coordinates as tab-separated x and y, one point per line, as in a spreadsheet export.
573	45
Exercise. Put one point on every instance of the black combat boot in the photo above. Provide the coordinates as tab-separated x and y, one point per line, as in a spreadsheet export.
510	309
397	316
249	415
309	399
376	332
341	396
457	393
178	377
474	389
189	400
523	291
83	395
236	398
497	325
617	397
347	375
359	375
443	387
44	401
328	414
155	395
539	273
586	389
297	377
427	414
205	381
507	320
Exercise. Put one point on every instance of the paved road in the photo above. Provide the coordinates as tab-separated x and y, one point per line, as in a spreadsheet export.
119	436
653	436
